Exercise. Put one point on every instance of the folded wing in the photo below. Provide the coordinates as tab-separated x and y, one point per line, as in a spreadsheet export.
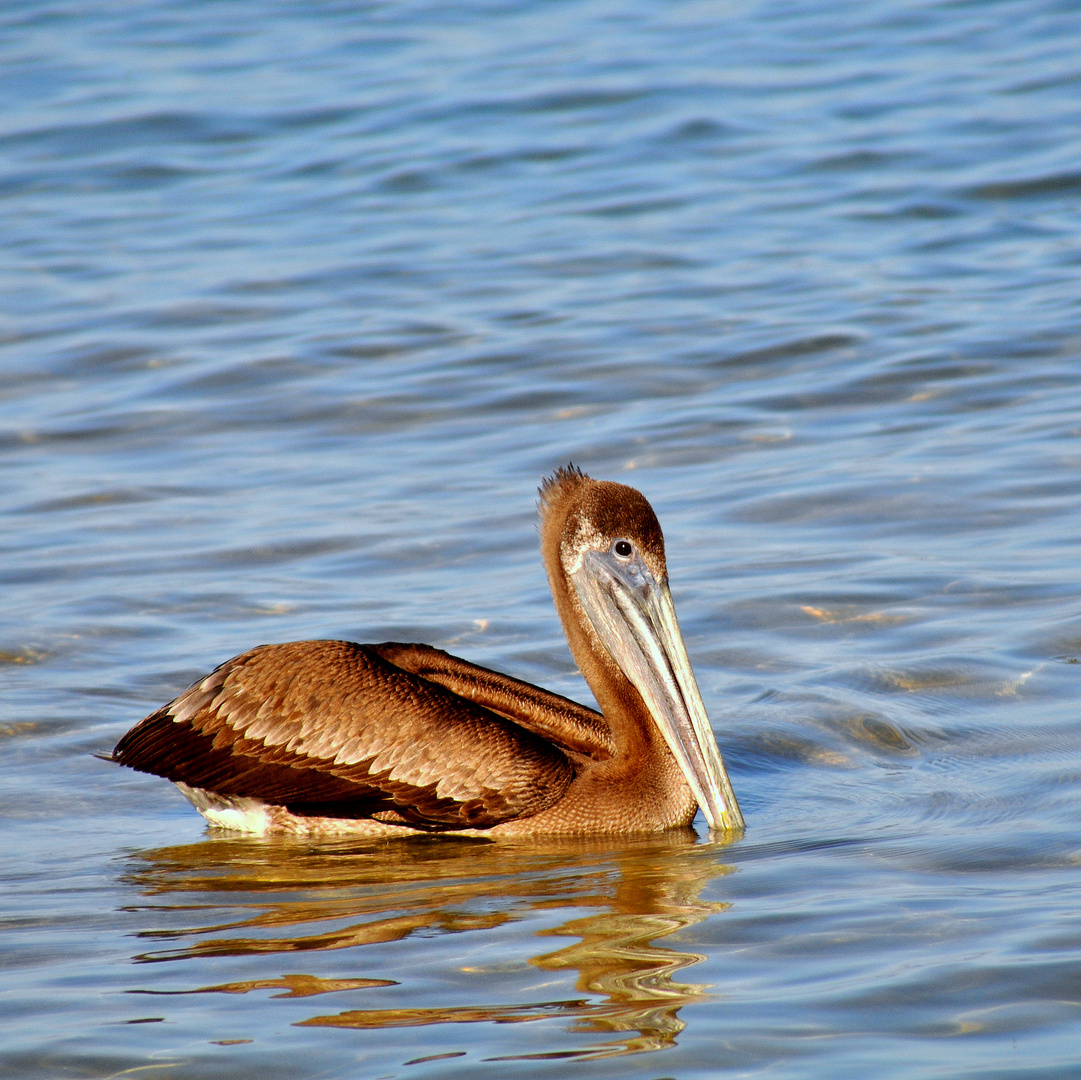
336	729
571	726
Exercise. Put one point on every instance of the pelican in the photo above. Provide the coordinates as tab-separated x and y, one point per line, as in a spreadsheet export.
392	739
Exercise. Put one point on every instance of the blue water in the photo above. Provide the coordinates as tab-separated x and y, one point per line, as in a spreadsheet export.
300	302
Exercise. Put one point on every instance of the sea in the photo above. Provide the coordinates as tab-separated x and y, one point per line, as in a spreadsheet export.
300	302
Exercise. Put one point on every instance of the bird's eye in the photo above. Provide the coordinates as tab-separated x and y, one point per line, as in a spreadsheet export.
623	549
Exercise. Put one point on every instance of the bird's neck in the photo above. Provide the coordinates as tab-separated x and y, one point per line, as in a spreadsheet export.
632	727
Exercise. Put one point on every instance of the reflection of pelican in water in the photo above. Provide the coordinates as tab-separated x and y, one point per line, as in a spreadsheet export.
337	737
258	905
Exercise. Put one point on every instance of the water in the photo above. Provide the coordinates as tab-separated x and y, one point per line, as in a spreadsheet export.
300	303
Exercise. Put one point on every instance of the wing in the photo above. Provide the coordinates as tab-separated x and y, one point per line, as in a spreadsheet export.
571	726
331	728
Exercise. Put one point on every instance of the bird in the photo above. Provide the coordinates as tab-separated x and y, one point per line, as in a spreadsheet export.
395	739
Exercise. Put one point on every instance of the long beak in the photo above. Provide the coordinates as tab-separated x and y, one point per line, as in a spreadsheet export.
635	619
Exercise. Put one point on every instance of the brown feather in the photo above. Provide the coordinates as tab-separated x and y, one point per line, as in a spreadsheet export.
568	725
257	727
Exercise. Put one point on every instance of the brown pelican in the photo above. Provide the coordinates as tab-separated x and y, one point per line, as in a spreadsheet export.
331	736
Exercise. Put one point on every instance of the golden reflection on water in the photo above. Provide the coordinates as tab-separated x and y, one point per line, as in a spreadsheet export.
252	897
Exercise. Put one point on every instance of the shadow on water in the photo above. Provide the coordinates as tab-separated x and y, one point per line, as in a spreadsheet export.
266	898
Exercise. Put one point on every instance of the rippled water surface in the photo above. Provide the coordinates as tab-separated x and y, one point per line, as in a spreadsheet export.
300	303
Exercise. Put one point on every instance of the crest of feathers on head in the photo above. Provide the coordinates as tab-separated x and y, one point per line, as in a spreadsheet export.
559	489
553	486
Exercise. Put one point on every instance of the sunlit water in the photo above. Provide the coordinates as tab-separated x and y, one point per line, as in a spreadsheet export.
300	303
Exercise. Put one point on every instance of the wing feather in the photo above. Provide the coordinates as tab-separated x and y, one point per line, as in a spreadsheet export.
336	729
558	720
